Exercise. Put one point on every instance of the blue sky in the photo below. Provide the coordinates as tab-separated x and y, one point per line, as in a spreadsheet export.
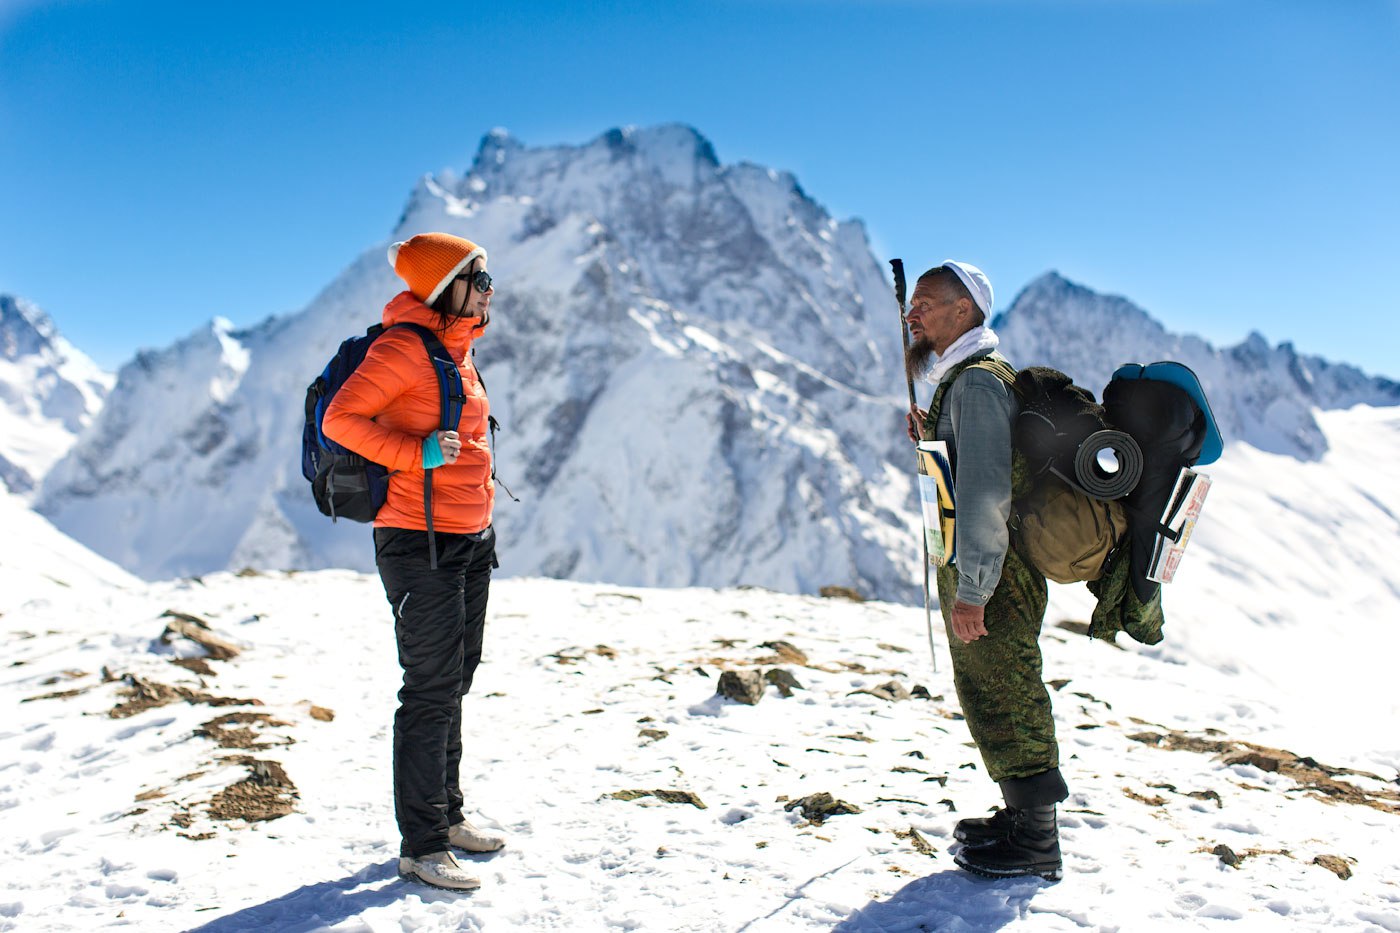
1228	166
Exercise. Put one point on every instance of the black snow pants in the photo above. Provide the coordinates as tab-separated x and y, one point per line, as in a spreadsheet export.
439	618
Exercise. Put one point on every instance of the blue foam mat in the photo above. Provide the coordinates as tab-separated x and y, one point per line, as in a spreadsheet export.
1183	378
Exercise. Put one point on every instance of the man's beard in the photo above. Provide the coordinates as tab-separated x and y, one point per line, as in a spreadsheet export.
916	358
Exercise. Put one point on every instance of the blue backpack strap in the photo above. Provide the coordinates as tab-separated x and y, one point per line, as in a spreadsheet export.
450	400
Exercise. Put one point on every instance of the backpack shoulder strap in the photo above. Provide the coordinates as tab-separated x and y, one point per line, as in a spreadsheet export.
450	395
993	362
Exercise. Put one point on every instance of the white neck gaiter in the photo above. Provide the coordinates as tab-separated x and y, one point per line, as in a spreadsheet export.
973	341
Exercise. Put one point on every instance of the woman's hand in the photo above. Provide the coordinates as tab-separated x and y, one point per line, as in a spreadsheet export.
450	444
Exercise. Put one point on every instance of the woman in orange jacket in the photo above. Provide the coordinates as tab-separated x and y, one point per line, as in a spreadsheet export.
388	411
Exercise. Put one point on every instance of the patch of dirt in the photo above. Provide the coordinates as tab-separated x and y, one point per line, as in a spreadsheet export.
58	695
1198	794
841	592
665	796
140	695
916	839
1234	859
1313	778
265	794
322	714
1153	801
233	730
197	665
567	655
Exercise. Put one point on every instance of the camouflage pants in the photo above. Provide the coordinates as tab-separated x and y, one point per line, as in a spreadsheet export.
998	676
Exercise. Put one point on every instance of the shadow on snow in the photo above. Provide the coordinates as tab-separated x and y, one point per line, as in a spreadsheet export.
950	900
328	903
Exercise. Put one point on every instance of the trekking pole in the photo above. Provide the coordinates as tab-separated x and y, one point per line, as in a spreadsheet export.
899	288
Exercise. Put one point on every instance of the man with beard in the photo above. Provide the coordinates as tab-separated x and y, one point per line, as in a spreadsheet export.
992	598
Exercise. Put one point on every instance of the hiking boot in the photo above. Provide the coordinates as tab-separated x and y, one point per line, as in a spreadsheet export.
466	836
1031	848
976	830
439	869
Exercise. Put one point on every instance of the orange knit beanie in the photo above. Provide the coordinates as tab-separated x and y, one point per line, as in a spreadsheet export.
429	261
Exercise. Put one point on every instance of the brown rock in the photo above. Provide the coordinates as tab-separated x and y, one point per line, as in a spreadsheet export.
783	679
741	686
818	807
1336	864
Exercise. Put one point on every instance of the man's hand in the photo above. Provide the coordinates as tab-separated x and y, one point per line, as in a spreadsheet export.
967	622
912	420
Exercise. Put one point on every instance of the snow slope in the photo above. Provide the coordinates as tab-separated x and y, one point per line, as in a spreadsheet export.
592	690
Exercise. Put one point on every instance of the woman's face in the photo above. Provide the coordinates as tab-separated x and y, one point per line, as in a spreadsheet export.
472	303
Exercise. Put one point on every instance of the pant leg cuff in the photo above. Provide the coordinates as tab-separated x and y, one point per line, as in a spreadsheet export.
1038	790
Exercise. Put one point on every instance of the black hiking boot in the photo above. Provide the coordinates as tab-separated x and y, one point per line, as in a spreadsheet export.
1031	848
976	830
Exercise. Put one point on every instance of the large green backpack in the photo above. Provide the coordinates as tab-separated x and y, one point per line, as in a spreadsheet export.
1062	531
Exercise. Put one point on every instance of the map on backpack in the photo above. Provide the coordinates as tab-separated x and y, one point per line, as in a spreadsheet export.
936	501
1183	509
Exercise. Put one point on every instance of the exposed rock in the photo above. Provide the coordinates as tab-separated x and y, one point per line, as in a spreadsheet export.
891	690
783	679
183	625
1336	864
322	714
841	592
655	735
818	807
741	686
786	653
1226	855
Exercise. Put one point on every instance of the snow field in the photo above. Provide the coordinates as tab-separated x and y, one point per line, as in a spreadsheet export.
554	724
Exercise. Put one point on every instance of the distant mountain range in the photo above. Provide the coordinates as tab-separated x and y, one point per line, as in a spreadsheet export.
696	367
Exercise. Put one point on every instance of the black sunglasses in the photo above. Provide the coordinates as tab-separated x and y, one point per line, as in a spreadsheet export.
478	280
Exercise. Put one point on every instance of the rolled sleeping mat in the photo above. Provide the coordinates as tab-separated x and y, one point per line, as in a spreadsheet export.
1089	472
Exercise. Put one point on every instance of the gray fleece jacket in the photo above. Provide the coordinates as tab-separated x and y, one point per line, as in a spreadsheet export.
975	422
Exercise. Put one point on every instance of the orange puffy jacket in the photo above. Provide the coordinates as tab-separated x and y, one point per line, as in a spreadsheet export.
390	404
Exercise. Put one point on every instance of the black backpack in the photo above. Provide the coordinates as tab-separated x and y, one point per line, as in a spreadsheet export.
343	483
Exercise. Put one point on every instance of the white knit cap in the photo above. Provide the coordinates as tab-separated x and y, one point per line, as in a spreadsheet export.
977	284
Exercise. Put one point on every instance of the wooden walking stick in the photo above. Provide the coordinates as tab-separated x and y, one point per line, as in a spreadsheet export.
899	294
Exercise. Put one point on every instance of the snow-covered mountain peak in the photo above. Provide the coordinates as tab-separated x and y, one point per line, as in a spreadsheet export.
49	392
24	329
1261	394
